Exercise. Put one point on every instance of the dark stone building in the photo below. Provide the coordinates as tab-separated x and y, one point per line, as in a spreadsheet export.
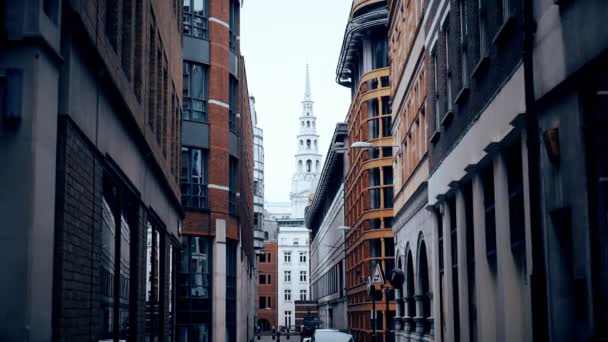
90	95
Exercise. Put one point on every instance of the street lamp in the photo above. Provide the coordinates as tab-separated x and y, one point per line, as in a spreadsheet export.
366	144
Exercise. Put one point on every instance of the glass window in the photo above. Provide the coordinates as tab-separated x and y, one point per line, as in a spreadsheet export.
287	294
194	178
195	19
302	256
302	275
195	92
233	184
233	92
302	294
380	52
287	256
287	275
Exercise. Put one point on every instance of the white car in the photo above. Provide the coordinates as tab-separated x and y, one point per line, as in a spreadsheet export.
330	335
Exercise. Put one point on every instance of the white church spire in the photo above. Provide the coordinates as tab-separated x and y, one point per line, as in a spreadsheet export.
307	156
307	95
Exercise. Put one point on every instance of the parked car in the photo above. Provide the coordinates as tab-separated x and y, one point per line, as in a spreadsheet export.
331	335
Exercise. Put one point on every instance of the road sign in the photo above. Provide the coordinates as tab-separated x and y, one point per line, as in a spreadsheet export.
378	277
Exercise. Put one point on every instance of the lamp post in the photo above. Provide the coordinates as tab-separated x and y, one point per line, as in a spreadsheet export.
365	144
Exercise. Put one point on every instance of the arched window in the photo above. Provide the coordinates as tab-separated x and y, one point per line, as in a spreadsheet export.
300	166
316	147
318	165
410	290
308	144
314	124
301	143
423	283
308	165
308	124
302	123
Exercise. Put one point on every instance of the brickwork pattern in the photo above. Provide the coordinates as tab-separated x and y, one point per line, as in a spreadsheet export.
503	53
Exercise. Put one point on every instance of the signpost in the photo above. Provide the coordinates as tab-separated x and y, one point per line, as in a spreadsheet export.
377	279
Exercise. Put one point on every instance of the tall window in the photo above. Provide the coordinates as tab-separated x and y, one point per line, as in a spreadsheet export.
287	275
302	275
194	178
231	293
436	90
195	19
380	56
287	257
464	31
448	74
195	92
490	210
233	184
287	318
515	184
233	93
287	294
153	280
482	31
308	165
302	294
302	256
234	17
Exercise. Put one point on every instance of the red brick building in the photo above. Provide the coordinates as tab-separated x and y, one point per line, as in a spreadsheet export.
216	178
268	286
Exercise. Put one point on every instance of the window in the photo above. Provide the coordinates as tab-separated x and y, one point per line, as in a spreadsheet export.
233	92
302	256
302	275
234	12
195	92
288	318
194	178
266	236
119	214
300	166
448	73
262	258
262	280
296	242
436	90
287	257
463	49
487	178
195	269
482	31
262	302
231	292
302	294
308	144
287	275
308	165
318	165
515	185
195	19
380	55
287	294
269	302
233	184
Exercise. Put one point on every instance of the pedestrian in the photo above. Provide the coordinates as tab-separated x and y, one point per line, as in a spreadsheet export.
288	333
279	335
274	331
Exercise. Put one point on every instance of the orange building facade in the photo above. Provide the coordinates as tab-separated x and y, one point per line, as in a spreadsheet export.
363	67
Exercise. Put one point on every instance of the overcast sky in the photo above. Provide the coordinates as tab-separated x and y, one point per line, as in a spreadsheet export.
277	38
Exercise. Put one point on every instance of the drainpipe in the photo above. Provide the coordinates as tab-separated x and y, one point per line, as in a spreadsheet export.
538	277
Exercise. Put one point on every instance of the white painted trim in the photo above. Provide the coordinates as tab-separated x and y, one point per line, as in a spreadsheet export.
219	103
219	21
435	20
493	124
218	187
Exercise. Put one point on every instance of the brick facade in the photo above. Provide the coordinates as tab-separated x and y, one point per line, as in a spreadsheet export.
269	267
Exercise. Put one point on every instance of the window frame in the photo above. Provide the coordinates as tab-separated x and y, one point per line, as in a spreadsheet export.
186	179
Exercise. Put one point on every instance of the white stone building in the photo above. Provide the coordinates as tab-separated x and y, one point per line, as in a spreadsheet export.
293	269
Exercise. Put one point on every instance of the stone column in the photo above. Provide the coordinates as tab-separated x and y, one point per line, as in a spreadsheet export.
219	282
463	289
419	320
448	293
398	296
485	285
509	287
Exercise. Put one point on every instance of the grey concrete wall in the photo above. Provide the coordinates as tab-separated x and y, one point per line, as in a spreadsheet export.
27	201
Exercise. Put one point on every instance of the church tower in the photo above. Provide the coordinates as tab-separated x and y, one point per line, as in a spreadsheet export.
307	157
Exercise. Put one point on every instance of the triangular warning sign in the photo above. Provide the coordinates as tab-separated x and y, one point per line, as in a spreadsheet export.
378	278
